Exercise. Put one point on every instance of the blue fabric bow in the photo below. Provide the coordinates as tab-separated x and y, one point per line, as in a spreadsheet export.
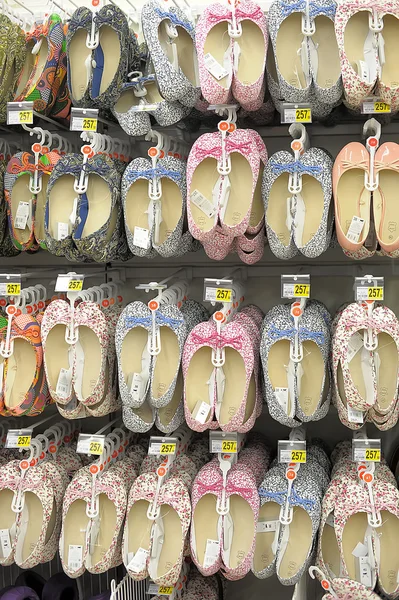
303	332
294	167
174	19
293	500
160	320
153	173
314	8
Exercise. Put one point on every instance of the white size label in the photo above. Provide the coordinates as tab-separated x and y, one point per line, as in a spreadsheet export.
355	229
212	551
282	397
203	203
138	561
62	231
135	385
5	542
75	557
22	216
355	416
64	383
201	412
266	526
214	68
144	107
141	237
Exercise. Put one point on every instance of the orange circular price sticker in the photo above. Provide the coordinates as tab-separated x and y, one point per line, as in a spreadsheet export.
223	126
161	471
52	449
373	142
152	152
95	2
297	311
218	316
325	584
368	477
232	127
24	465
296	146
291	474
11	310
94	469
153	305
105	303
36	147
87	149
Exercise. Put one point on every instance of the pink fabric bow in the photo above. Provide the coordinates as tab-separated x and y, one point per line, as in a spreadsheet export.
240	14
218	340
216	151
363	323
231	488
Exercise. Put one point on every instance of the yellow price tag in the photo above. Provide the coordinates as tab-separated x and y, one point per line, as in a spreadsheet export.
13	289
375	293
381	107
223	295
229	446
303	115
298	456
168	448
96	448
23	441
165	590
26	116
75	285
301	290
89	124
373	455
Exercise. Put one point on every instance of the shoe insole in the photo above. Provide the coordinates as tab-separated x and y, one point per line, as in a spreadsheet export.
357	375
40	63
144	412
252	57
199	372
60	203
387	381
133	345
244	530
40	209
173	540
313	198
26	69
216	43
106	533
389	559
271	64
20	193
204	180
52	522
137	202
75	528
111	48
356	32
385	207
329	66
30	528
126	100
57	354
78	55
21	368
240	197
264	555
276	213
153	94
330	550
353	200
288	42
166	363
205	523
185	54
277	366
166	413
257	208
92	361
99	204
139	527
7	515
312	379
234	389
298	545
251	398
390	69
353	533
171	207
341	385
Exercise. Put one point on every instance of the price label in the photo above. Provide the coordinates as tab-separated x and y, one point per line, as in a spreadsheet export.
297	115
367	455
372	106
229	446
218	290
90	444
382	107
295	289
375	293
168	449
84	119
89	125
20	116
13	289
18	438
75	285
298	456
223	295
165	590
301	290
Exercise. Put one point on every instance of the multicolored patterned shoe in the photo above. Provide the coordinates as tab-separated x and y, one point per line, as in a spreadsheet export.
46	164
15	51
79	57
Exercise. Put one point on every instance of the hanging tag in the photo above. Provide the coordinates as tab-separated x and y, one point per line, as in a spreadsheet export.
75	557
291	452
141	237
64	383
214	68
201	412
139	561
295	286
5	542
355	229
90	444
22	215
19	112
203	203
18	438
267	526
62	231
355	416
212	551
